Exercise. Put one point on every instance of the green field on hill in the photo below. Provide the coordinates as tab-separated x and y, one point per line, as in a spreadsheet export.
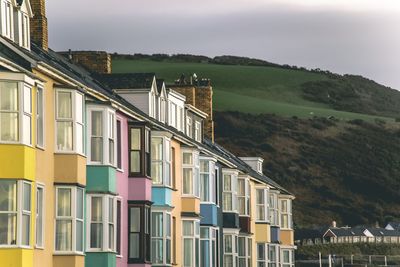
250	89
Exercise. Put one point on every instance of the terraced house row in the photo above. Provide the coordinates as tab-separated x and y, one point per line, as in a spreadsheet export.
102	170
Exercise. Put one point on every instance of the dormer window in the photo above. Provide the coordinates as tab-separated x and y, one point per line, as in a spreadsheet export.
6	18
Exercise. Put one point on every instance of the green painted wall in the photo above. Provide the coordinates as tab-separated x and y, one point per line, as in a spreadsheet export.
101	179
100	259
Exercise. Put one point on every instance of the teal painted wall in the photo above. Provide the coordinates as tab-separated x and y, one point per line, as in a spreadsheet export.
101	179
100	259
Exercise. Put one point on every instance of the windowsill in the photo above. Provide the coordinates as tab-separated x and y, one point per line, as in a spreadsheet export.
119	256
120	170
69	253
262	222
39	248
287	229
69	153
190	196
14	247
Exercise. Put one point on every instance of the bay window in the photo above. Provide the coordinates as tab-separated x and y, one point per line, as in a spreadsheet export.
39	216
190	172
230	250
69	121
207	180
243	196
191	246
101	217
209	246
262	210
273	255
273	208
119	226
262	255
69	220
286	213
39	117
15	112
15	218
139	150
101	132
244	251
161	238
161	159
229	192
287	257
138	233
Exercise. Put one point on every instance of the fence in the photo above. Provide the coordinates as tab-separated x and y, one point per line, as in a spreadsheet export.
352	261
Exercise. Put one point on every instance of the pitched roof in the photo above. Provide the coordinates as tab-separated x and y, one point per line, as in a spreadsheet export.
383	232
160	83
395	225
126	80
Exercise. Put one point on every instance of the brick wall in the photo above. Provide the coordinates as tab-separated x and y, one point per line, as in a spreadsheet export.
188	91
93	61
39	27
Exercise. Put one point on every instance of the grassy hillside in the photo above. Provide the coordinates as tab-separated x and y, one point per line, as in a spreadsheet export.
272	89
343	171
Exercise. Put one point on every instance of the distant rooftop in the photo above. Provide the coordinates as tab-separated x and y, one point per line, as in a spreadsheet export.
126	80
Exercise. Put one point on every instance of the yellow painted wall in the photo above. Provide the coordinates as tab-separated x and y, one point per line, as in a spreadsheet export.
191	204
68	261
287	237
17	161
263	233
176	200
70	168
253	222
16	257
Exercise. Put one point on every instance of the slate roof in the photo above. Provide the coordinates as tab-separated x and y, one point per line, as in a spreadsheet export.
395	225
126	80
159	83
102	83
383	232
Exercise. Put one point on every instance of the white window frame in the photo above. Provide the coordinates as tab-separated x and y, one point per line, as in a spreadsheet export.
197	131
164	238
109	132
74	120
24	85
195	167
262	261
73	218
19	212
7	21
232	191
273	208
217	183
211	198
105	221
273	261
189	126
264	205
41	230
287	213
195	238
212	237
40	116
166	159
246	197
291	256
234	253
248	251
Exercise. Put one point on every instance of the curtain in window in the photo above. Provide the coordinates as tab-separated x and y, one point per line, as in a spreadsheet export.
97	136
96	227
135	150
8	217
188	181
157	158
64	109
227	205
64	135
64	235
134	235
64	202
9	107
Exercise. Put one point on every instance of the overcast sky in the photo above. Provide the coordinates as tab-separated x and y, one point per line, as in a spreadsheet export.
344	36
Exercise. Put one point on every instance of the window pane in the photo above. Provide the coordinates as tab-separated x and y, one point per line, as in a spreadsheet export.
64	109
79	236
157	250
187	158
96	149
134	246
8	96
64	135
79	138
9	127
8	226
241	187
119	145
111	210
188	252
64	235
8	196
134	220
39	116
227	201
157	224
97	209
111	236
135	139
187	181
26	197
111	150
228	244
79	203
96	235
135	161
260	252
157	172
118	227
157	148
188	228
242	246
204	187
79	108
39	217
27	100
27	132
64	202
97	123
227	182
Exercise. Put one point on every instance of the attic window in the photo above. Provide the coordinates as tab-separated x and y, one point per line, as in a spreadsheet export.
6	18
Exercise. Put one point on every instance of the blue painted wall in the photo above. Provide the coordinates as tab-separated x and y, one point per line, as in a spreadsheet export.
162	196
209	214
275	234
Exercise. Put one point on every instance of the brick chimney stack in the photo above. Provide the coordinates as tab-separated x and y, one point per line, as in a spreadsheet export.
93	61
39	27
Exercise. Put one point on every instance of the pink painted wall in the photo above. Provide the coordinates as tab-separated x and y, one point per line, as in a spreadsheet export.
129	189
